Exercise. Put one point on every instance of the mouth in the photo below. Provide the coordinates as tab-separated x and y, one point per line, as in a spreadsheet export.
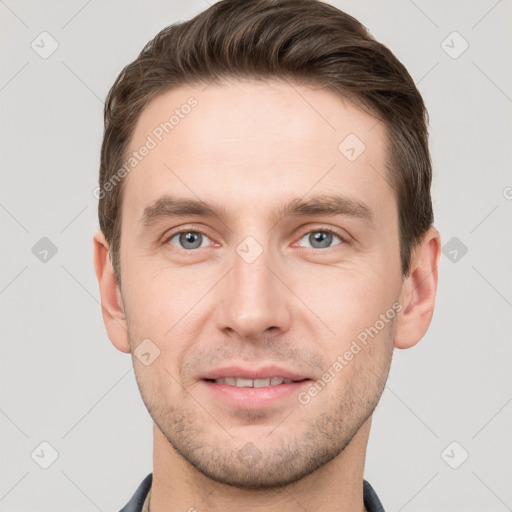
241	382
254	389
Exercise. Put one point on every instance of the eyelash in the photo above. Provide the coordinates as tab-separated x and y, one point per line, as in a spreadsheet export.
320	229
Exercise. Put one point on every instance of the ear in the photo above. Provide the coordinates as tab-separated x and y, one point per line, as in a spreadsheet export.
111	300
419	291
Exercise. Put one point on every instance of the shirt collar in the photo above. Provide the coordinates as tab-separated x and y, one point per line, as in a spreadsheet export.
140	500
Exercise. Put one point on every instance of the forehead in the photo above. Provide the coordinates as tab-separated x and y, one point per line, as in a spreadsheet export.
251	144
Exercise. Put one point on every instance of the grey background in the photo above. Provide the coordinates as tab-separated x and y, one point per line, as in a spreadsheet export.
64	383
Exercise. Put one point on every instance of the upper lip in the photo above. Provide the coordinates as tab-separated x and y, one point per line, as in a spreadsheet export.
264	372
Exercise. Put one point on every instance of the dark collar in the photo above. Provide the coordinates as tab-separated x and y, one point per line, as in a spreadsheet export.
370	498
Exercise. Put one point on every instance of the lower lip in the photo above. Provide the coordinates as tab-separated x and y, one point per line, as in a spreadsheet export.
255	398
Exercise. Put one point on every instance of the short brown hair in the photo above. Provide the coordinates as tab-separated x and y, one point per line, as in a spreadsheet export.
306	41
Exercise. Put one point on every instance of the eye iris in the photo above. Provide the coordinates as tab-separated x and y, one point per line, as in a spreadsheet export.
190	237
323	237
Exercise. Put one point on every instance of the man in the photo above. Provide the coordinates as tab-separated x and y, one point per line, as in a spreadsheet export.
266	241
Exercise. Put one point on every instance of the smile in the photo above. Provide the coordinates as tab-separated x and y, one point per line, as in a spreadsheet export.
241	382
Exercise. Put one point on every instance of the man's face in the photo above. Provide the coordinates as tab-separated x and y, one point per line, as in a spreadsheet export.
255	290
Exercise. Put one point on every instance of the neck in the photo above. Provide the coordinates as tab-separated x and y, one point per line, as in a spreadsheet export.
336	486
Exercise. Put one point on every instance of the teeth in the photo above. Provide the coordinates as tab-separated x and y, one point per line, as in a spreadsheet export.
244	383
261	383
252	383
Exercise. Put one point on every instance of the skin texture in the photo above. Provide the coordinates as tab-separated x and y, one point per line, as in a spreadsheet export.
251	146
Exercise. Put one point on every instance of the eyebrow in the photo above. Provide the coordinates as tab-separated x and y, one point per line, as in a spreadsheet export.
326	204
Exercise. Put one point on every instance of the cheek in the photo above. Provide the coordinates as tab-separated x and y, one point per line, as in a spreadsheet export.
362	361
353	302
160	298
168	307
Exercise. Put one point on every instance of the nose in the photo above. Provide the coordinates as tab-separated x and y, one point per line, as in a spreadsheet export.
254	300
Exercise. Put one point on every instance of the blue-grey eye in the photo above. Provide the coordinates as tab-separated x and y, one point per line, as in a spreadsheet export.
190	240
320	239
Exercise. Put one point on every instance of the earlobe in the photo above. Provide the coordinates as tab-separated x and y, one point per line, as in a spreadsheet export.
112	307
419	291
